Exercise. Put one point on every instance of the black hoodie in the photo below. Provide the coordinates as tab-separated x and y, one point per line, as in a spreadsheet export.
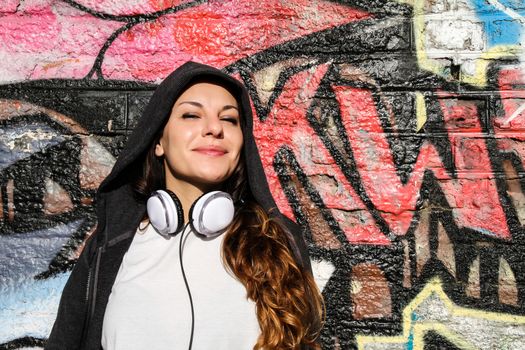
119	211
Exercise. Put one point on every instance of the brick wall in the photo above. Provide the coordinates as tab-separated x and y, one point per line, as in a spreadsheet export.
393	131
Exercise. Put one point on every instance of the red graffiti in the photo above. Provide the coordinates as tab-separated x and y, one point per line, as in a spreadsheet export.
288	116
471	191
509	125
472	195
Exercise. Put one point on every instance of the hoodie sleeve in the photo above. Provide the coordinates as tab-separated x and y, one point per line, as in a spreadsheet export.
69	324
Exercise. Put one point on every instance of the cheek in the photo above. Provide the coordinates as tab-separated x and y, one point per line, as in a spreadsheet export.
177	140
238	141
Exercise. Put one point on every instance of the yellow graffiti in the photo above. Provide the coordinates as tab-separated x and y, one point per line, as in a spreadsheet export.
421	111
414	330
478	77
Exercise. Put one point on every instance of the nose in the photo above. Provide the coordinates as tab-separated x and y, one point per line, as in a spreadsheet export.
212	126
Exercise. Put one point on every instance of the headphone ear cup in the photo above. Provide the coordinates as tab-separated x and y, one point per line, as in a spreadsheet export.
165	212
212	213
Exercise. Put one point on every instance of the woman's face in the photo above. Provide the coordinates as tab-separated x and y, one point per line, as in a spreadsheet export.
202	141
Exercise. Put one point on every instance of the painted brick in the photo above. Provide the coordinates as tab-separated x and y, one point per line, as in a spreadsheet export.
392	131
454	36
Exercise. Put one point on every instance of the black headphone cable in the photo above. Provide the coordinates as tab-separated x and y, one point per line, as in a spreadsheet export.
187	286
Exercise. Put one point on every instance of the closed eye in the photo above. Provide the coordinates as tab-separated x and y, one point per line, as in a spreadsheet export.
232	120
189	116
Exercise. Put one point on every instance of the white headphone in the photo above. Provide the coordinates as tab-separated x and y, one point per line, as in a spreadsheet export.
209	215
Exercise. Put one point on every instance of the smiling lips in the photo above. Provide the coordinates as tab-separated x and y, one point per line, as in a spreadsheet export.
213	151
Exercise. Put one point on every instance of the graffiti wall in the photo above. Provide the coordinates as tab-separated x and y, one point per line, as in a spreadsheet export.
393	131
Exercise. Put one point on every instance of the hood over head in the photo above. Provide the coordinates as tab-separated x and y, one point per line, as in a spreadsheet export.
116	189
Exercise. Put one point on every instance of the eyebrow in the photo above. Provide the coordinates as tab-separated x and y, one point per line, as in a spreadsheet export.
197	104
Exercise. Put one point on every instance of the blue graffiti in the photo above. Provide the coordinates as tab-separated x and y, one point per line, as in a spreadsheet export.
20	142
30	310
28	306
503	20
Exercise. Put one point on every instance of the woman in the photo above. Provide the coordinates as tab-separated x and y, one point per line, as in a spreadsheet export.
149	277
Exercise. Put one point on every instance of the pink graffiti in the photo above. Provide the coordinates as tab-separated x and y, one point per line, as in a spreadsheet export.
9	6
51	39
218	33
135	7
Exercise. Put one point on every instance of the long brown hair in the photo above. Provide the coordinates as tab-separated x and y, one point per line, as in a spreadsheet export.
257	250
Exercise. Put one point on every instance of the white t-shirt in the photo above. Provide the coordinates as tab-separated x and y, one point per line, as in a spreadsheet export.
149	308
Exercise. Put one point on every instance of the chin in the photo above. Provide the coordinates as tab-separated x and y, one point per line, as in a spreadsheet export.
212	180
